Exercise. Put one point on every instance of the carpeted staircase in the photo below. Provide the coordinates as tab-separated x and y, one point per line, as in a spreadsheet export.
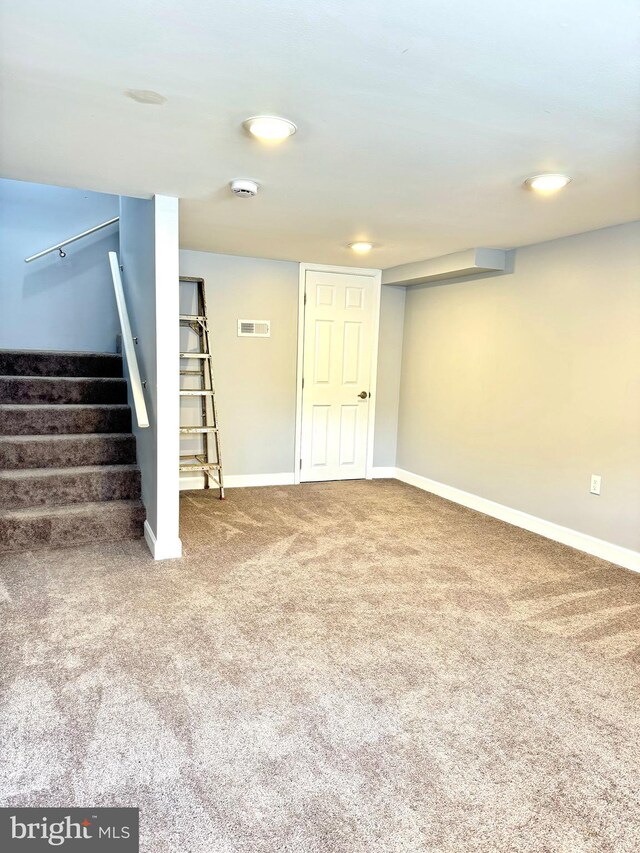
68	473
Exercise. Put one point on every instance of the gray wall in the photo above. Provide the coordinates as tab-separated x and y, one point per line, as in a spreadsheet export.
255	377
517	388
392	302
150	256
55	303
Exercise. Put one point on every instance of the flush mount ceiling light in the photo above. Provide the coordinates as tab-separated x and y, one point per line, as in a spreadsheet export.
269	128
547	183
146	96
361	247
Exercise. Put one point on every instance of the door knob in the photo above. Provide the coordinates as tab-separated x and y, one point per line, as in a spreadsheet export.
363	395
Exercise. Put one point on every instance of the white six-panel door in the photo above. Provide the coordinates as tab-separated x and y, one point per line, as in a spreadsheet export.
340	317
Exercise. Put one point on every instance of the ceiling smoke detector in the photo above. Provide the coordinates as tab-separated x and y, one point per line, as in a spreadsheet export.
244	188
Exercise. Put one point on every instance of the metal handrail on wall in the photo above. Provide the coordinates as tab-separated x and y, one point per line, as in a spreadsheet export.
128	345
128	341
58	246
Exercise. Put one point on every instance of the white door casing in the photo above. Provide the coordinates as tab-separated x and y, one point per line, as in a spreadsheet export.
337	360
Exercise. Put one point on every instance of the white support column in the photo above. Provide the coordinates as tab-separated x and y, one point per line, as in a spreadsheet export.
165	540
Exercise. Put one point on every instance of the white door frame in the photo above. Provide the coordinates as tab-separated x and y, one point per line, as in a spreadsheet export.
376	278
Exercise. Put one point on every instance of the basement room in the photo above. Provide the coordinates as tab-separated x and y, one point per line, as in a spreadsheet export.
320	426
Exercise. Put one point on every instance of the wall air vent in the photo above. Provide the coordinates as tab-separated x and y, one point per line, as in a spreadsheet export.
254	328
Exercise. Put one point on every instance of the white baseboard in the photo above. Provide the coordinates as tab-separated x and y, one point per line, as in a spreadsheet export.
163	549
590	544
624	557
382	473
239	481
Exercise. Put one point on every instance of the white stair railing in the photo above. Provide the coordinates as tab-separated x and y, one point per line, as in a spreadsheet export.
128	341
128	345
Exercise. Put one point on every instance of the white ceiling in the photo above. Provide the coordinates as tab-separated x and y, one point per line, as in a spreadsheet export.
418	120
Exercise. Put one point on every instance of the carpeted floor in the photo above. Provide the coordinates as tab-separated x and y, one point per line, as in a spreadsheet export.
334	668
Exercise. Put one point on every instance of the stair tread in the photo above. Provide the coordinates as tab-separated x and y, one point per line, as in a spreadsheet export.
63	389
54	352
31	473
67	449
49	418
70	509
63	406
48	363
23	378
66	436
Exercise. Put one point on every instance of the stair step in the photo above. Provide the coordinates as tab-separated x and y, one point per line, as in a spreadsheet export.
52	419
66	451
62	389
50	363
74	524
56	486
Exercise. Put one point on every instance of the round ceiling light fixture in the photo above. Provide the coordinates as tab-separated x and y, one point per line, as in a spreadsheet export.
548	183
361	247
269	128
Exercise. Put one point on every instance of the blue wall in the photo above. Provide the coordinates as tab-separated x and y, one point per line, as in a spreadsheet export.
56	303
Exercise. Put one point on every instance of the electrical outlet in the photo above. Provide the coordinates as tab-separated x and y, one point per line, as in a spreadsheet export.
596	480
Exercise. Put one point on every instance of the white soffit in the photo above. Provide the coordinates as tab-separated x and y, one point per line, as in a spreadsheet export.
458	264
